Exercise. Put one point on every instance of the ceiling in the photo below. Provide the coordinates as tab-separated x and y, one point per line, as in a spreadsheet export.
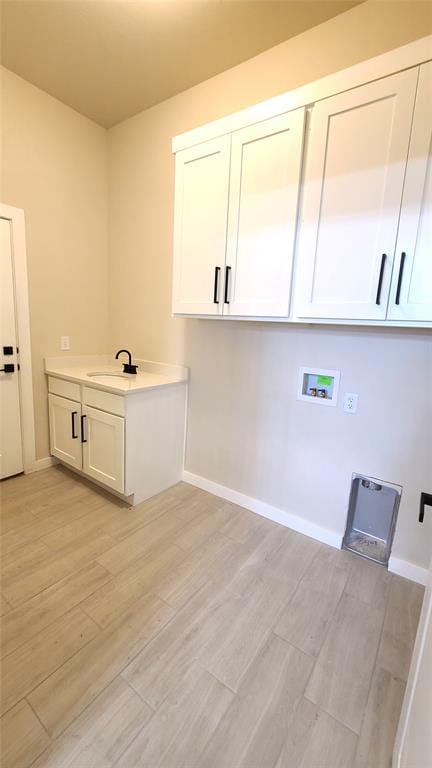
110	59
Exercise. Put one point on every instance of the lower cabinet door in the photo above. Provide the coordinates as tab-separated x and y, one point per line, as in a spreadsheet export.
103	447
64	423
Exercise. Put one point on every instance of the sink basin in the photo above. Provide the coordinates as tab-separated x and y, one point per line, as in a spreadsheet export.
105	375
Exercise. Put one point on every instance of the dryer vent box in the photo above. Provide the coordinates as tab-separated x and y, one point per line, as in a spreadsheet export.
372	513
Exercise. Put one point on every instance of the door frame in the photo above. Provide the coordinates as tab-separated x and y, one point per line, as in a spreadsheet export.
22	318
406	714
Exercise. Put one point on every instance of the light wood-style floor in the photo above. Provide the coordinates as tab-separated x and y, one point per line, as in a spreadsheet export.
190	633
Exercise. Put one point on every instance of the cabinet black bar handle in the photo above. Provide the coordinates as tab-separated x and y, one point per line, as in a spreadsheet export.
425	500
380	279
83	440
216	285
227	276
399	282
74	435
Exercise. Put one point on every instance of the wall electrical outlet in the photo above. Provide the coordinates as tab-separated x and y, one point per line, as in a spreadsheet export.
64	343
350	402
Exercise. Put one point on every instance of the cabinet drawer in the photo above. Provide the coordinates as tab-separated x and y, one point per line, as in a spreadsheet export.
64	388
105	401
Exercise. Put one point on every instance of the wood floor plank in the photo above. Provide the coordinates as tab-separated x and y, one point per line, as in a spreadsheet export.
189	508
369	582
54	567
185	492
243	623
112	599
217	559
340	681
142	541
5	607
22	512
306	618
22	559
400	626
22	737
378	732
242	526
100	735
35	660
97	517
164	662
317	740
195	533
178	733
26	621
280	554
254	727
128	519
64	695
327	572
61	515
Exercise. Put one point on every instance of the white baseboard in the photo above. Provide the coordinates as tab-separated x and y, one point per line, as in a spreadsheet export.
408	570
333	538
296	523
45	463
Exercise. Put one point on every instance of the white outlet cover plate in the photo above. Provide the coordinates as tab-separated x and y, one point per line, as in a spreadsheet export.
64	343
350	402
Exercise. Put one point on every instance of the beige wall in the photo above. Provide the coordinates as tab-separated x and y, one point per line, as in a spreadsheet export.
246	429
54	166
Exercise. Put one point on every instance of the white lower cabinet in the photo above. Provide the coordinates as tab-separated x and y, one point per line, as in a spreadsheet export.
131	444
103	447
88	439
65	431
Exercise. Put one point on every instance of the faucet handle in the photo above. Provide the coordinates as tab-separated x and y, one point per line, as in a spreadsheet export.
129	368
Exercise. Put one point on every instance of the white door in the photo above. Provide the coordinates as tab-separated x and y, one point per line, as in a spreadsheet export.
65	431
200	225
356	160
264	188
413	746
103	447
411	290
11	456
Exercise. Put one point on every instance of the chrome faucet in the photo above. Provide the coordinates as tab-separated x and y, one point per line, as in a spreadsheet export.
127	367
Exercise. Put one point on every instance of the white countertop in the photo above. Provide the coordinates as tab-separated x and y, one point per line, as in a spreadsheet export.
150	374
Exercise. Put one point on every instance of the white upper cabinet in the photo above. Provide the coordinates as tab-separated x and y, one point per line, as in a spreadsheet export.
411	289
356	160
200	225
263	195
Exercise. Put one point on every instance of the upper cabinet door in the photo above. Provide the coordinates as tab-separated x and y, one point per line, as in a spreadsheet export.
411	290
200	225
357	154
264	187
